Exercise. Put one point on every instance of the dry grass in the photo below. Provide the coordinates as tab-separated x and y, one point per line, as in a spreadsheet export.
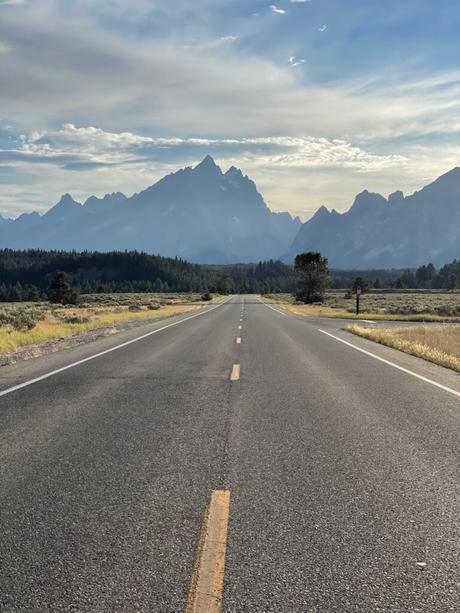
403	306
55	323
438	344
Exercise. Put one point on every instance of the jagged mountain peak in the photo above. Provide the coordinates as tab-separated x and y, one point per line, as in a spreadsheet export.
396	197
233	172
67	200
208	165
321	212
367	199
113	199
66	205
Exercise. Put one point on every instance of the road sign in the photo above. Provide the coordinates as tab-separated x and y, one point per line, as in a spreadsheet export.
359	291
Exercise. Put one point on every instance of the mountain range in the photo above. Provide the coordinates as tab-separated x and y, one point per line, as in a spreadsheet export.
200	214
397	232
204	215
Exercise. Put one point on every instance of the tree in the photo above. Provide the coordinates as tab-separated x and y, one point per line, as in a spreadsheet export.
60	291
225	285
452	282
312	276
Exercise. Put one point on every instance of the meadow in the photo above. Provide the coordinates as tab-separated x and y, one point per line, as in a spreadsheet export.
24	324
393	306
438	344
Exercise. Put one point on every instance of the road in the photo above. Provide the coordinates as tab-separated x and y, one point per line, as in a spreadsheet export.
341	470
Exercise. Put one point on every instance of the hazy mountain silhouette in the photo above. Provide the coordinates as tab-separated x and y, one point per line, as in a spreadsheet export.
200	214
396	232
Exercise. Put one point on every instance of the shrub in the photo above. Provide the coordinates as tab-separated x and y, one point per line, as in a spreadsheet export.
206	296
134	308
21	320
75	319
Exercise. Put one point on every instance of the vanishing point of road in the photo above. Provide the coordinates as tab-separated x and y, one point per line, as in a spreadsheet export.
238	458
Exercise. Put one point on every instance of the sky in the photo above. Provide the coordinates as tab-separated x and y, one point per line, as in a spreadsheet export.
315	100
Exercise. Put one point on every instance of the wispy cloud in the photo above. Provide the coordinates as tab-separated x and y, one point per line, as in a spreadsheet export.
97	145
322	28
296	62
278	11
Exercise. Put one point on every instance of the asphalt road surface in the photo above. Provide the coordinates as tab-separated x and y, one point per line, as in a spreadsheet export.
342	469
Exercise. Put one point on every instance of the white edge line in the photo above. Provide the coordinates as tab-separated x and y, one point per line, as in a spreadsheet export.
97	355
407	371
270	307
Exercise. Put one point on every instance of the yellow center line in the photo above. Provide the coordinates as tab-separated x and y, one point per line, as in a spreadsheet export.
206	587
235	372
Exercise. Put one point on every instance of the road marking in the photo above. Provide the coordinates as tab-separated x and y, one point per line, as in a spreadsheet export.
235	372
101	353
238	340
206	587
240	327
406	370
270	307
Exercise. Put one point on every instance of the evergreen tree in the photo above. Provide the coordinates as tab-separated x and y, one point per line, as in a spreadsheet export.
312	276
60	291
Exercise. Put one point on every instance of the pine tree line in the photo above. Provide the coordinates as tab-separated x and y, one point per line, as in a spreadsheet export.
26	275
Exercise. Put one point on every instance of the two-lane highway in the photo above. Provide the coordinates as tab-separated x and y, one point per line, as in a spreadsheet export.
334	475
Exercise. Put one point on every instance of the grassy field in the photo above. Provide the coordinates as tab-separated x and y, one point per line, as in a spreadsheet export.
438	344
24	324
393	306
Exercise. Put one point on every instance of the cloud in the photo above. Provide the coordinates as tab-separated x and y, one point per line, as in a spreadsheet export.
145	69
296	62
92	144
292	172
277	10
323	28
101	78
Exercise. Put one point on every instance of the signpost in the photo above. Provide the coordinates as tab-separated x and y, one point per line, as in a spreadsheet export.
358	294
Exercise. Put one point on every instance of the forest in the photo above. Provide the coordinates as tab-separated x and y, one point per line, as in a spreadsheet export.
26	275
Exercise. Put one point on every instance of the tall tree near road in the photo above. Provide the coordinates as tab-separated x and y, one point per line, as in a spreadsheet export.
312	276
60	291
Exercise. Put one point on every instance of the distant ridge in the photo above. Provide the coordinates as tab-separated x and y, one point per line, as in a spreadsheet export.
383	233
200	214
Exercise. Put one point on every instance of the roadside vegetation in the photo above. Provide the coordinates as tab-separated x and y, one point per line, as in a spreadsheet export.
25	324
393	306
438	344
